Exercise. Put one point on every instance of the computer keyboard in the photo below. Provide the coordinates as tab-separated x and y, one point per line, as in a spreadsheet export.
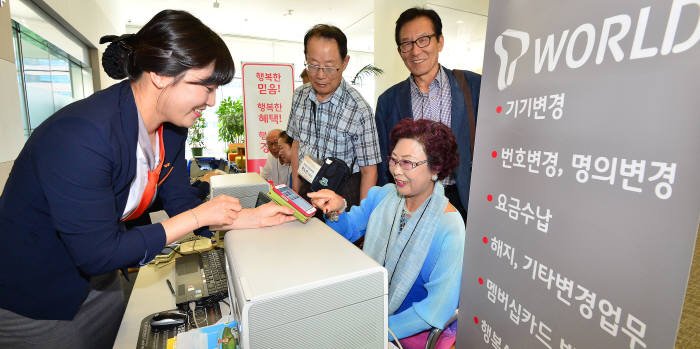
201	278
214	267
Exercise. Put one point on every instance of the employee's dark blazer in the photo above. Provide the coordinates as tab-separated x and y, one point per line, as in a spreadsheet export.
60	209
395	104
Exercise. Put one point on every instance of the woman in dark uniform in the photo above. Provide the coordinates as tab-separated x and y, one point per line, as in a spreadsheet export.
98	163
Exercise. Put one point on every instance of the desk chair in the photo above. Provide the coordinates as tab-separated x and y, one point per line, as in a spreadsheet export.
436	332
429	337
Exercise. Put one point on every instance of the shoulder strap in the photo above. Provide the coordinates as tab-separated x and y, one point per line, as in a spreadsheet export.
466	91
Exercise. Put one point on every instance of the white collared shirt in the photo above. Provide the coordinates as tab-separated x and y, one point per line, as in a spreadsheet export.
146	160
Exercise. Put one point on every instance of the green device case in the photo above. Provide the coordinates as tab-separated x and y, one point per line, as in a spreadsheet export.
280	201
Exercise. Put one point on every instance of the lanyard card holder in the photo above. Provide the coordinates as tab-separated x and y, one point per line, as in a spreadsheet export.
309	167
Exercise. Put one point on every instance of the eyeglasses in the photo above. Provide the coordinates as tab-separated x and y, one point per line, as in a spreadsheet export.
314	69
421	42
405	165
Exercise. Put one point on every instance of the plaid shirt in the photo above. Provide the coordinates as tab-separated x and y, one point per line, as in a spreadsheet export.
435	105
343	126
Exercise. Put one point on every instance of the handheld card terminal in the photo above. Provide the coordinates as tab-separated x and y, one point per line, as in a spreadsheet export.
285	196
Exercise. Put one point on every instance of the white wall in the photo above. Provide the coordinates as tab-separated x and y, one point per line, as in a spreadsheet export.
465	36
5	168
385	54
11	128
31	16
89	20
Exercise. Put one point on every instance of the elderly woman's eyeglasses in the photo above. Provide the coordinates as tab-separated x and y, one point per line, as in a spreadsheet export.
405	165
421	42
314	69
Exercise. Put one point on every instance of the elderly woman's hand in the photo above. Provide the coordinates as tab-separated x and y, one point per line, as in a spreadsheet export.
262	216
327	200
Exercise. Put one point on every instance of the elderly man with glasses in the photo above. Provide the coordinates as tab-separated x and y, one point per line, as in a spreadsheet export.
430	92
329	118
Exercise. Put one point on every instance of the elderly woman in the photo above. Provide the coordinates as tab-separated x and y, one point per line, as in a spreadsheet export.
410	227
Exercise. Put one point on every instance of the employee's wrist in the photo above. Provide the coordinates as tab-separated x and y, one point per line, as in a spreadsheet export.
196	219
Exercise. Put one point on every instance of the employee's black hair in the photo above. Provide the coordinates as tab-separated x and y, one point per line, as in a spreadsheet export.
169	44
415	12
328	32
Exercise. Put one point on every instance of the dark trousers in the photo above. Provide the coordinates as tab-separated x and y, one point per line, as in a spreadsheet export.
452	194
94	326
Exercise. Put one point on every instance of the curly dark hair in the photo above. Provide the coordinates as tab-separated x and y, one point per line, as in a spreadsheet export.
169	44
437	140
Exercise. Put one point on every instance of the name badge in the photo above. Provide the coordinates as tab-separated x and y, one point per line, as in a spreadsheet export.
308	168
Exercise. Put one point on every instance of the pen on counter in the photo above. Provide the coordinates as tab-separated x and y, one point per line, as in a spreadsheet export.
170	286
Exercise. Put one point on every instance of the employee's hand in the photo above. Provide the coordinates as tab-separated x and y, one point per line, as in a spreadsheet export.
327	200
221	210
263	216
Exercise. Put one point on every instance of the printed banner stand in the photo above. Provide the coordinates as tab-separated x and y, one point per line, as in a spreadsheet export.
585	194
267	101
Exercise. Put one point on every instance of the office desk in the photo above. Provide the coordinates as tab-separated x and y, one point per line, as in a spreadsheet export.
150	295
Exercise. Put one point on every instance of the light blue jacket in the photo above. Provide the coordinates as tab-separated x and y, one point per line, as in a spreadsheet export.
434	296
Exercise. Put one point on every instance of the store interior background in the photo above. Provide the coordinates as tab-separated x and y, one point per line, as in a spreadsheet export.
257	31
67	33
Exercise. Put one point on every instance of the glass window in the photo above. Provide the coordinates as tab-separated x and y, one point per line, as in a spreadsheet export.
37	81
87	82
60	82
76	79
28	14
49	79
20	81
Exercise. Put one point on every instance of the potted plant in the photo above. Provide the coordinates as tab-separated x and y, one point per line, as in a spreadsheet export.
231	125
230	154
195	137
368	70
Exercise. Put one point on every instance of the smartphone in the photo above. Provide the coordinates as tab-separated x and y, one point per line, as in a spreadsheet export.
284	195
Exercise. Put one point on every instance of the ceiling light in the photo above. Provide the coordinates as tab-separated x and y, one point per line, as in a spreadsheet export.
216	4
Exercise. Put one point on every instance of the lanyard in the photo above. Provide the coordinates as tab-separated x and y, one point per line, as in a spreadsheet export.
153	175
